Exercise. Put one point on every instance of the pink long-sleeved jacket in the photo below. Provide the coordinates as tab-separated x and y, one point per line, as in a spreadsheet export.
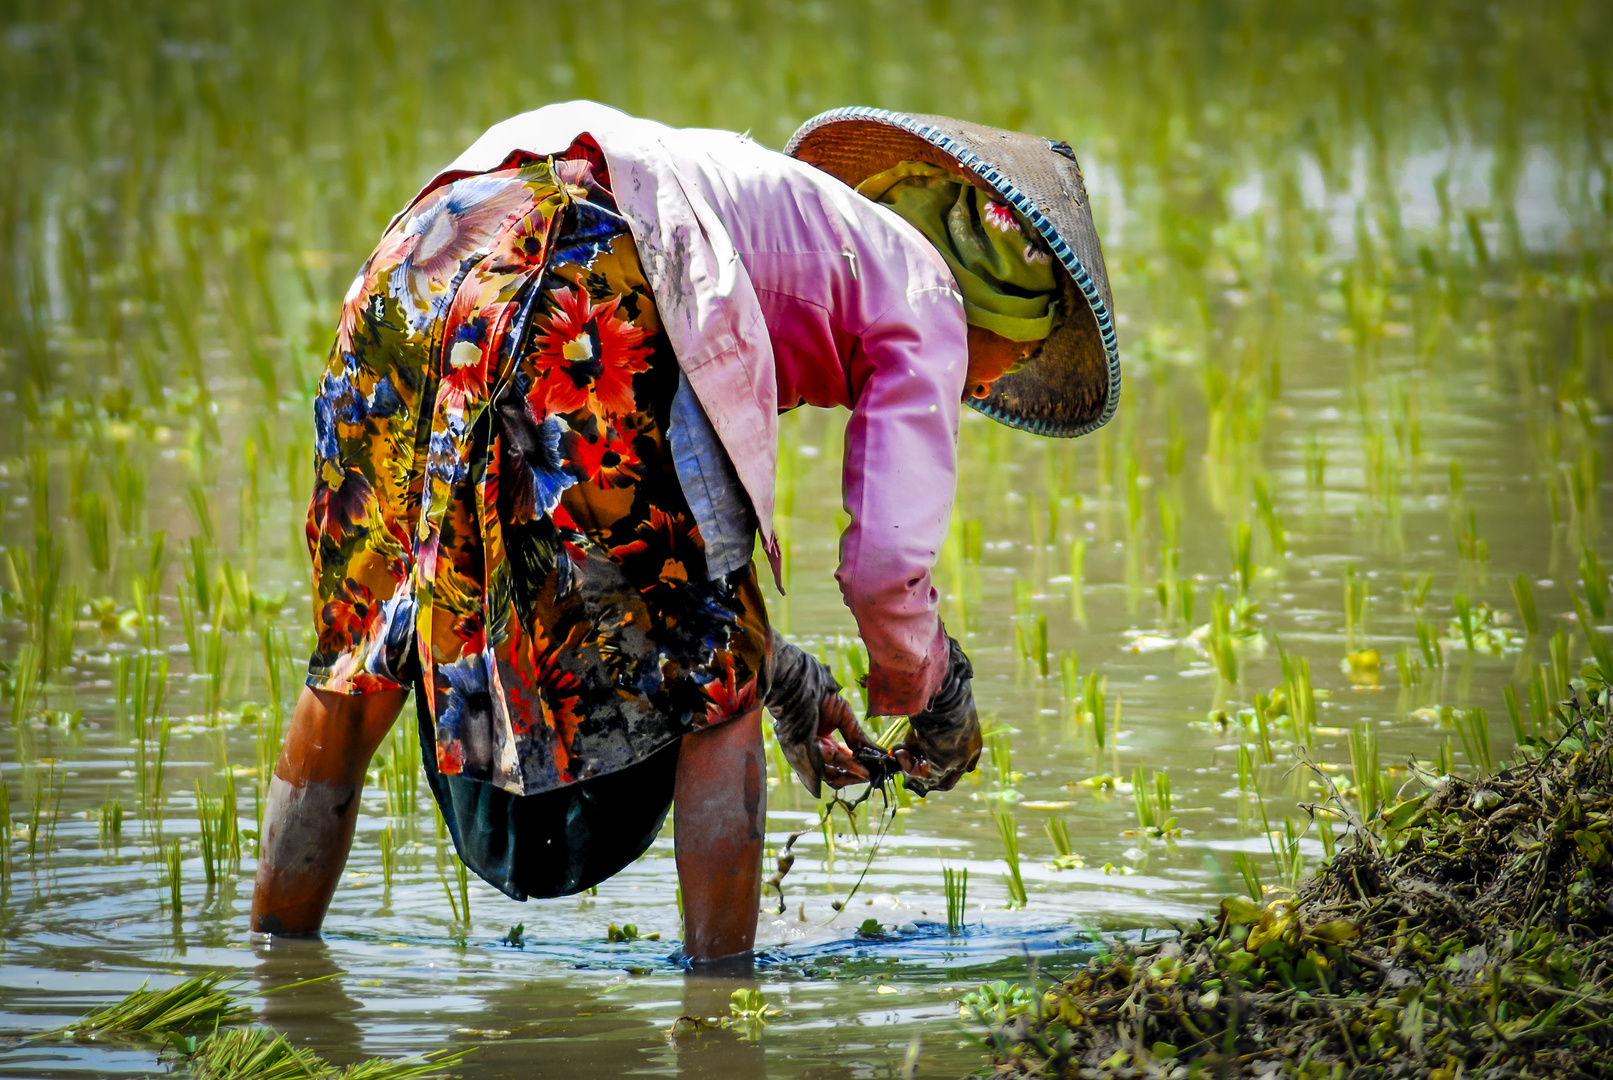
781	286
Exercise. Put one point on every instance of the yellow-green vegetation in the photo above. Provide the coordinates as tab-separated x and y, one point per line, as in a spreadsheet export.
1467	931
236	1052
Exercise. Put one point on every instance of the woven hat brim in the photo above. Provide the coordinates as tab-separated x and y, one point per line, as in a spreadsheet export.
1071	385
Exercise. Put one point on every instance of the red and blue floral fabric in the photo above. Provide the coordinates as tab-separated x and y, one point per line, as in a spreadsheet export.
496	519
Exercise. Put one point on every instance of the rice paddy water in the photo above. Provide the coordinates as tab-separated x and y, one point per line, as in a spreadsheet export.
1349	512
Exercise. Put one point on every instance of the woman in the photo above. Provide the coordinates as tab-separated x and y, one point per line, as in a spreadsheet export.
545	444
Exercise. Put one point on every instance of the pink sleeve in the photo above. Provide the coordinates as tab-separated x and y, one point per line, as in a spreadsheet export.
900	469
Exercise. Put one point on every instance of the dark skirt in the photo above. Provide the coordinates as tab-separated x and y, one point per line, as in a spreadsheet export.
558	842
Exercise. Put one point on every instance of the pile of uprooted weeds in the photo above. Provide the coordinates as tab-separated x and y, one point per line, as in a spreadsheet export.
1466	932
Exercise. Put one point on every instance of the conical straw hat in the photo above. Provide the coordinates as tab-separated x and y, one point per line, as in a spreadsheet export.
1071	385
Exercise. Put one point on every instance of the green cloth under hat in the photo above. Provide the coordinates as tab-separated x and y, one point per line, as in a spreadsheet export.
1005	275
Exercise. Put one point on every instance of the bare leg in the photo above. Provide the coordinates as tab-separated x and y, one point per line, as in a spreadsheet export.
313	805
720	816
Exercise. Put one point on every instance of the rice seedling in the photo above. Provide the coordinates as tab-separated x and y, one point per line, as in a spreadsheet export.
1299	696
956	885
1070	681
1464	619
1093	693
172	861
1561	665
1059	833
5	836
1474	729
1428	642
1246	769
1595	581
1524	597
1408	669
1223	654
1250	874
1355	606
237	1053
1078	559
1242	561
196	1002
1365	768
1017	897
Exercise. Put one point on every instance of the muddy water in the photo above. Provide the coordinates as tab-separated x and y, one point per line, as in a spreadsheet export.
1294	367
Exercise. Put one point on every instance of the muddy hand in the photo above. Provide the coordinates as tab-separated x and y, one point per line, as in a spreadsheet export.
945	740
859	760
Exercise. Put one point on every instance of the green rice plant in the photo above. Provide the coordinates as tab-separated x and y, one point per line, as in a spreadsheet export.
1093	694
5	836
1509	694
1223	653
36	816
956	885
1184	601
1059	833
260	1053
1070	680
389	858
199	508
1355	606
1143	803
1039	644
973	542
1323	823
1539	700
209	840
93	516
1561	669
1078	561
1408	669
129	493
1428	642
1022	615
198	575
1266	505
26	683
1134	498
1001	752
1594	578
173	863
1524	597
194	1003
1243	559
1469	546
1464	619
1365	768
1301	698
1473	727
1290	860
155	772
1250	874
1601	651
1315	460
1263	728
1017	897
1246	769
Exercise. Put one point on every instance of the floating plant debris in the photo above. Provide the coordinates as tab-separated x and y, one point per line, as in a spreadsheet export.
1467	931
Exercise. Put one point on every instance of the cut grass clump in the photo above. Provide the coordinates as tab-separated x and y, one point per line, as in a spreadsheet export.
235	1052
261	1053
194	1003
1467	931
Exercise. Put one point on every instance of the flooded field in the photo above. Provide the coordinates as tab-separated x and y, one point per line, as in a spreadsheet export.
1349	511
